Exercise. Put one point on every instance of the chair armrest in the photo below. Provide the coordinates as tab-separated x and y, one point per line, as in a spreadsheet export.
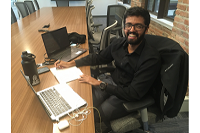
97	25
117	28
137	105
109	69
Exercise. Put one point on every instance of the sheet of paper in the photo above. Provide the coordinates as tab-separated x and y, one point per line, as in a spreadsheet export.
67	74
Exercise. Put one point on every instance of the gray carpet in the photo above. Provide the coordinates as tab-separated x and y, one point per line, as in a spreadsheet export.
100	20
178	124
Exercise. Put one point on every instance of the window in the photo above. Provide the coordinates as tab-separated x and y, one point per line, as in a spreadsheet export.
172	8
127	2
162	8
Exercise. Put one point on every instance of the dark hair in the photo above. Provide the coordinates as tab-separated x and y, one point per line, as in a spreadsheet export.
138	11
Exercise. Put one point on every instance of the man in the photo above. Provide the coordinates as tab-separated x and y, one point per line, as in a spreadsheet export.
137	66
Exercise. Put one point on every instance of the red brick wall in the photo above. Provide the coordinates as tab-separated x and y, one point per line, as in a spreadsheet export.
140	3
180	30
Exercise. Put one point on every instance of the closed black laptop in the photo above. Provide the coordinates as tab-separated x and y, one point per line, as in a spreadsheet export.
58	47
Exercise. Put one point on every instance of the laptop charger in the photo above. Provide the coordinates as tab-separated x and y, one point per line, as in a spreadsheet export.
63	124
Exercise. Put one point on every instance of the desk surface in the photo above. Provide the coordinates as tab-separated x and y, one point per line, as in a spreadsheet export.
27	114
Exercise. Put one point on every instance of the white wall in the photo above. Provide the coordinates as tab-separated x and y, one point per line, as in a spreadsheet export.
99	10
46	3
43	3
49	3
101	6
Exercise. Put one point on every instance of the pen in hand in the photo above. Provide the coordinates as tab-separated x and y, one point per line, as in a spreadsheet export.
58	63
59	60
62	64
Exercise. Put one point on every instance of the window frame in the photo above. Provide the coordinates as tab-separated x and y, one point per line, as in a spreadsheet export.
162	10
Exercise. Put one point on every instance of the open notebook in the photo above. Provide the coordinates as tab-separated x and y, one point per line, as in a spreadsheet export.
67	74
58	100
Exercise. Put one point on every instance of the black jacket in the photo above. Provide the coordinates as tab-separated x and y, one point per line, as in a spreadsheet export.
173	74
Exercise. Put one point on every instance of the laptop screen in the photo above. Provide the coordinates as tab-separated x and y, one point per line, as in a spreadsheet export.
55	41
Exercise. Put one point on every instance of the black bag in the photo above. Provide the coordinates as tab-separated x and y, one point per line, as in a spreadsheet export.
76	38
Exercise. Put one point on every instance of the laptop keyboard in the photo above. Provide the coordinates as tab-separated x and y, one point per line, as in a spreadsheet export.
55	101
60	54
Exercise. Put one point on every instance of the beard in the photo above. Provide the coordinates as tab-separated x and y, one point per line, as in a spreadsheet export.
136	42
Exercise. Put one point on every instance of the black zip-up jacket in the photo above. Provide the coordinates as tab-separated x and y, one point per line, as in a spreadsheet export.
173	74
135	73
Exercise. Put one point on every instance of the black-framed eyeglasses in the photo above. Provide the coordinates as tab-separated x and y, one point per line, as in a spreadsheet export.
137	27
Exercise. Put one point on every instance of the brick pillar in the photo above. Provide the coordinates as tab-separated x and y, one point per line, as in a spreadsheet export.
140	3
180	30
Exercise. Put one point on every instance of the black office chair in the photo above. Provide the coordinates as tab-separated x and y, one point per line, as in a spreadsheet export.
30	6
89	16
88	3
37	5
95	47
93	36
175	59
13	17
22	9
105	38
116	12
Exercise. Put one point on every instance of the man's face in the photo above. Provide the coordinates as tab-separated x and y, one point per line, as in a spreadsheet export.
135	35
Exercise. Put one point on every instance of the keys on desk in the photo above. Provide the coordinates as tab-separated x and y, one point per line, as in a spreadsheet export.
42	30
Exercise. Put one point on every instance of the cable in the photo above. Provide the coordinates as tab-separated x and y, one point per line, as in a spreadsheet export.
48	61
84	113
99	117
76	115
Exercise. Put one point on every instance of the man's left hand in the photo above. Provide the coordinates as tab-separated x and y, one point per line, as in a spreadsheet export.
88	79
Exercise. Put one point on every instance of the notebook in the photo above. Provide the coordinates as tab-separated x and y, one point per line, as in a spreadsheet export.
58	100
57	45
66	74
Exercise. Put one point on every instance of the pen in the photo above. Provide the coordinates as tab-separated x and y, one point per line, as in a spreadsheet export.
58	62
78	45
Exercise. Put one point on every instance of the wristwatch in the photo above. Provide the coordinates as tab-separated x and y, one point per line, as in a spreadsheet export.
103	86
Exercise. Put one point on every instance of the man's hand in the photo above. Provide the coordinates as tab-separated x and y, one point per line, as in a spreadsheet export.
62	64
88	79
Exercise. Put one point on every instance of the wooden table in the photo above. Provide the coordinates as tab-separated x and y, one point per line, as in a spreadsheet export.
27	113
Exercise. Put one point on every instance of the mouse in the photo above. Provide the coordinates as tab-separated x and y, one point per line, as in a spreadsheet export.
63	124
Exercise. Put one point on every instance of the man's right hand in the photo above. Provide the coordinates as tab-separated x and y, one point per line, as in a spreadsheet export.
62	64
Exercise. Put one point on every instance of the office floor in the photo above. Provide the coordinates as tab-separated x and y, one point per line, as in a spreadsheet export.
178	124
100	20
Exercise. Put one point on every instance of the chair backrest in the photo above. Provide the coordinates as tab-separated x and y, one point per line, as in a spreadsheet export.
115	12
105	36
90	16
173	74
62	3
37	5
123	34
13	17
30	6
88	5
90	23
22	9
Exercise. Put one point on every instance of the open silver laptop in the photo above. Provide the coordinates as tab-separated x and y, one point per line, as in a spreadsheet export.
58	100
